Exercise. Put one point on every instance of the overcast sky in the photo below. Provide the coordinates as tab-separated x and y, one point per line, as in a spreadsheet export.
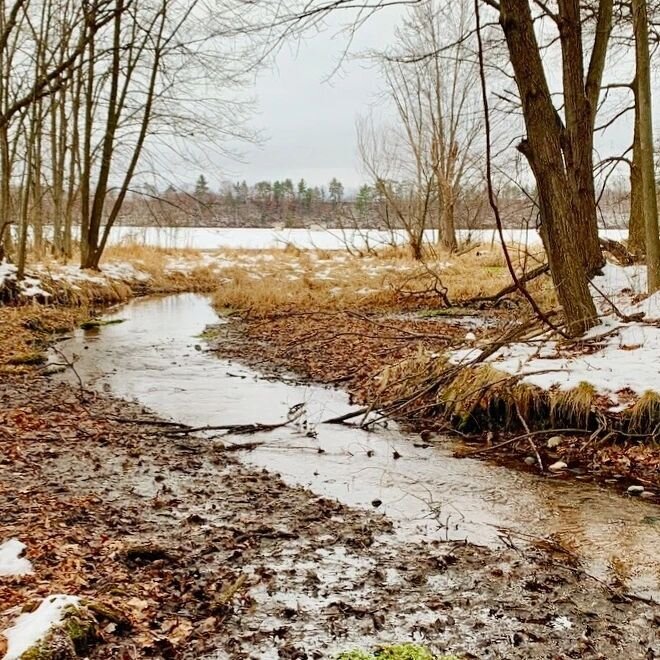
307	110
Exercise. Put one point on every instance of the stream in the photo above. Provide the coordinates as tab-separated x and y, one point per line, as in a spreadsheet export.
156	356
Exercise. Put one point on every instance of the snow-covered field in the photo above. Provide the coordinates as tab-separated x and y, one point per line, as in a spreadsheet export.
206	238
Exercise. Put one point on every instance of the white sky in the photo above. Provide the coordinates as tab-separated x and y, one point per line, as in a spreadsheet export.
306	107
306	110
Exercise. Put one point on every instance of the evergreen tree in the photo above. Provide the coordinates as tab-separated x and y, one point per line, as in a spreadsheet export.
201	186
335	191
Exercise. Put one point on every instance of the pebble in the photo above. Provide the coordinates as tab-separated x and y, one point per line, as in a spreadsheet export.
647	495
530	460
553	442
558	466
376	503
635	490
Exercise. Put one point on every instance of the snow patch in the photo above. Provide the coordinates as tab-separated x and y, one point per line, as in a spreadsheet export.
627	354
11	560
32	627
7	272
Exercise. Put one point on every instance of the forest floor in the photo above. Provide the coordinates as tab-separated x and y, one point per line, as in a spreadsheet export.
192	555
185	553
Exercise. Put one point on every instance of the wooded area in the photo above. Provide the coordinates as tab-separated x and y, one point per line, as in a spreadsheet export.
411	418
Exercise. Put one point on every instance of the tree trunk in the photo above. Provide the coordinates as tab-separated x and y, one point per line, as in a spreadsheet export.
6	211
636	229
543	150
644	103
577	138
447	233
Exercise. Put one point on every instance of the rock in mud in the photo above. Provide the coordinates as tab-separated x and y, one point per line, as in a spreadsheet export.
635	490
530	460
558	466
554	442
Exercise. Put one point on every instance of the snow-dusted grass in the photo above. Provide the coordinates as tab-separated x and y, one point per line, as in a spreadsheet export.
279	280
33	627
12	561
123	272
617	357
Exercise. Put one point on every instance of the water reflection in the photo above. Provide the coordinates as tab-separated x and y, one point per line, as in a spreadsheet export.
156	357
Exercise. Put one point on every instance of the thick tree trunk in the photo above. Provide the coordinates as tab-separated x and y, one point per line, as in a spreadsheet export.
577	138
644	103
446	220
543	150
447	227
636	229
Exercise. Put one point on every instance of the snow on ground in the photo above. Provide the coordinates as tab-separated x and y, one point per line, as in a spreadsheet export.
213	238
11	560
627	355
32	627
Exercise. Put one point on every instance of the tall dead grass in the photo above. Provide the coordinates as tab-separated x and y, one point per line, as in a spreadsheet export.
391	280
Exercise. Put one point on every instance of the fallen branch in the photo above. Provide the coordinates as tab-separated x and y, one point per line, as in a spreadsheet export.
295	413
341	419
618	251
511	288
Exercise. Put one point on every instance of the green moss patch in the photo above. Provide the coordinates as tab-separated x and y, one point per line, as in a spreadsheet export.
395	652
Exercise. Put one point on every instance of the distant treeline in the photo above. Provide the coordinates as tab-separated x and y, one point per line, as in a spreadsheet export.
288	204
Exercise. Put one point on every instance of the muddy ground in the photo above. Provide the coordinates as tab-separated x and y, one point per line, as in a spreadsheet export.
200	557
347	349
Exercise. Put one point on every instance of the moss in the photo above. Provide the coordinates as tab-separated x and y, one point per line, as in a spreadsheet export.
69	639
395	652
29	357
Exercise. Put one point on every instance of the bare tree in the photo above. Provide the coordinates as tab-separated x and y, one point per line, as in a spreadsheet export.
559	148
644	129
447	80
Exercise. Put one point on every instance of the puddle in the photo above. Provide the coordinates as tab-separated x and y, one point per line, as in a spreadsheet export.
156	357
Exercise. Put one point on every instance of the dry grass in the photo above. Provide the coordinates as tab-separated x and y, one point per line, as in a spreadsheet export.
574	407
480	397
644	415
125	271
275	281
26	331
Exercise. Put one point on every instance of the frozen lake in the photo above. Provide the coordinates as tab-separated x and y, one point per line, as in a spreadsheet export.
209	238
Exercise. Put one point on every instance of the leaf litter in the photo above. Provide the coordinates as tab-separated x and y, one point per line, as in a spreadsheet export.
182	552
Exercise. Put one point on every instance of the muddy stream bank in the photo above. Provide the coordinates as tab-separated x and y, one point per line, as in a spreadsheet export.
157	357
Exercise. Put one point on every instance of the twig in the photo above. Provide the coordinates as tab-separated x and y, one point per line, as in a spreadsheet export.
341	419
524	436
71	365
295	413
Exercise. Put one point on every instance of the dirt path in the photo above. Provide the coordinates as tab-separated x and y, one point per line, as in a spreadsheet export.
207	559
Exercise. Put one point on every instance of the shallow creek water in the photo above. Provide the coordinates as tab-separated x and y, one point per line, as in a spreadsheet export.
157	358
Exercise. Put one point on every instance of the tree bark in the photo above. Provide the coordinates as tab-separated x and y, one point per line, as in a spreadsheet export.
577	137
644	114
543	149
636	229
